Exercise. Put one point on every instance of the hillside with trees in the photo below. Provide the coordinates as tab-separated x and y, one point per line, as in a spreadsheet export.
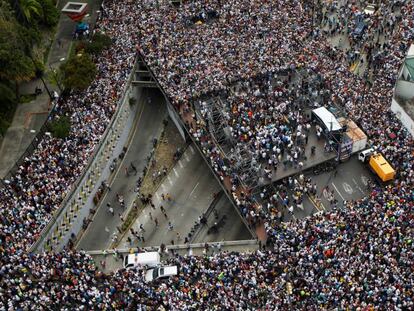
22	25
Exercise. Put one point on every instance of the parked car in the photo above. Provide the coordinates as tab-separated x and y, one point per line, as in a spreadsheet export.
161	272
141	260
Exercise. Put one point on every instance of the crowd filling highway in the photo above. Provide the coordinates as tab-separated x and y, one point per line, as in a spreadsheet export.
359	256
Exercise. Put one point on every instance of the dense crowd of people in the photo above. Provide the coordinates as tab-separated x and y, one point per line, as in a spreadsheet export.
359	256
228	45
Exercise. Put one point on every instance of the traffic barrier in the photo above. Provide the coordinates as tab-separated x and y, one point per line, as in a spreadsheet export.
77	193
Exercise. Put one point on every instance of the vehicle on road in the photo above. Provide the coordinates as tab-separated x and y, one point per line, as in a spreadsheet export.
160	272
360	26
142	260
370	9
377	164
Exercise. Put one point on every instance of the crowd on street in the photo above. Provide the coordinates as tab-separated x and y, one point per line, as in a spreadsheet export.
358	257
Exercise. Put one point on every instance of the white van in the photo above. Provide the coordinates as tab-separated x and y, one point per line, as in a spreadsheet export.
162	272
141	260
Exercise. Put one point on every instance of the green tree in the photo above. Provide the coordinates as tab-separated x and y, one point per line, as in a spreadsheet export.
5	11
29	10
60	127
78	72
55	77
50	15
15	65
99	42
7	99
8	105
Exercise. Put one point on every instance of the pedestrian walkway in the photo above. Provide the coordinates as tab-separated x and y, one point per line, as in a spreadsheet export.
30	117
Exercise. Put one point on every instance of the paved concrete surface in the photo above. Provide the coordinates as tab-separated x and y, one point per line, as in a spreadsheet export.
27	120
149	126
230	226
113	262
320	156
191	186
349	183
29	117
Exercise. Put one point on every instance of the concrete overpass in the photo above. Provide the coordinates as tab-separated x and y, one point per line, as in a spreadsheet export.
113	262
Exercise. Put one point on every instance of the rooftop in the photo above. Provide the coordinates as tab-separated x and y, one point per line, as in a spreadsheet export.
74	7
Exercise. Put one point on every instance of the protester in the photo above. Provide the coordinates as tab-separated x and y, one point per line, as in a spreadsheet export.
358	257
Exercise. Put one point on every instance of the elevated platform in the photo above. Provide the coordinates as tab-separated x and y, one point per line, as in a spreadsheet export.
319	157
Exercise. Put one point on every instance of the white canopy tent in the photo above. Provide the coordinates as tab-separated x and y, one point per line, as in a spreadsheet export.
328	119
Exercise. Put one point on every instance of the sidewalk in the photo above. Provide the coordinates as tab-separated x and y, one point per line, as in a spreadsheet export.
29	117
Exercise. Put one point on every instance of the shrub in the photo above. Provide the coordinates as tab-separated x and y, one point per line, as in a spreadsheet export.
132	101
78	72
8	104
60	127
50	15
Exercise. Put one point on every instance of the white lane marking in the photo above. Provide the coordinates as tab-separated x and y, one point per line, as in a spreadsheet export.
182	214
358	187
169	179
175	172
157	195
347	187
364	180
186	157
192	149
338	191
181	164
193	189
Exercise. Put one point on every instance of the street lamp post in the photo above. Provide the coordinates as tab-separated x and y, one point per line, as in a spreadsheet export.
55	78
39	74
55	74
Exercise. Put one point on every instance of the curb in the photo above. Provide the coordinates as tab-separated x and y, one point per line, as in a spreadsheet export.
111	176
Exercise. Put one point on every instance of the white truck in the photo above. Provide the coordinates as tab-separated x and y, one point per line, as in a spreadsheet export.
142	260
353	140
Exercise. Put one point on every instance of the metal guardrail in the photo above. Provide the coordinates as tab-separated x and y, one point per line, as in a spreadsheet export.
44	232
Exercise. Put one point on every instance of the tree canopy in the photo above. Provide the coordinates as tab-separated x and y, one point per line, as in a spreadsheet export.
98	43
15	64
60	127
33	12
78	72
30	10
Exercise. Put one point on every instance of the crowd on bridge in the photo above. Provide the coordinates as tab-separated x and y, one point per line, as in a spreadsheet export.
359	256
